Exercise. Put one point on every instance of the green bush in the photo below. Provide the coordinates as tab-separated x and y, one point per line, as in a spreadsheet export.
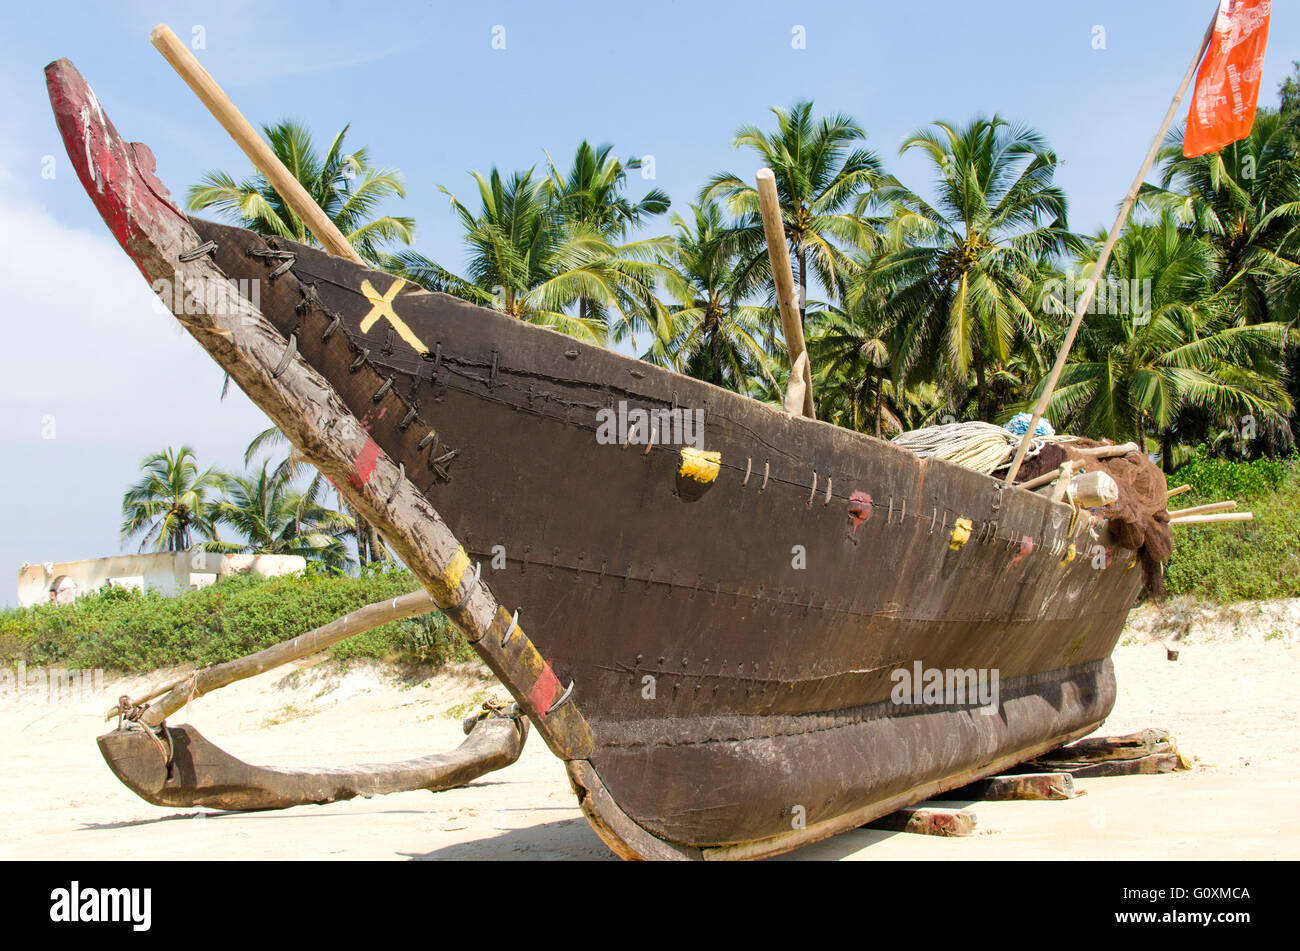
1239	561
118	629
1217	479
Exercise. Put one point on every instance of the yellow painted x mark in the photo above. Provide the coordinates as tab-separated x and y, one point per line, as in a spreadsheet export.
382	306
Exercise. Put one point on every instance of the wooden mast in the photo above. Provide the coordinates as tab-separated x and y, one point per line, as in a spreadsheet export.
1085	301
253	145
786	298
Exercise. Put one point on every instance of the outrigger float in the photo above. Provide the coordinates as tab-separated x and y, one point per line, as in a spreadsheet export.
707	636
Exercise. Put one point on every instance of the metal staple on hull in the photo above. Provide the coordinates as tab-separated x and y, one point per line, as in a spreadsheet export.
289	351
564	698
514	623
470	585
310	299
207	247
287	260
401	477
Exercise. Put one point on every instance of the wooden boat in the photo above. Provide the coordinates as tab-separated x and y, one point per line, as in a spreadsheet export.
708	635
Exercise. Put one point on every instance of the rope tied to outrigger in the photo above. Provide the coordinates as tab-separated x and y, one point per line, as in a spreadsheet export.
128	717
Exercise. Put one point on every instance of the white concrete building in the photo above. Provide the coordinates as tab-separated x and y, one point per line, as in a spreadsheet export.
168	572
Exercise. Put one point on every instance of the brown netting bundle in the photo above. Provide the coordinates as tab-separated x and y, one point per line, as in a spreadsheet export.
1139	517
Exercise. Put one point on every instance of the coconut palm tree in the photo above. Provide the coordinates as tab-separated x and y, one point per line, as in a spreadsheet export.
171	504
1245	200
850	353
821	177
370	548
714	335
592	195
592	192
1183	349
530	260
961	272
274	518
345	185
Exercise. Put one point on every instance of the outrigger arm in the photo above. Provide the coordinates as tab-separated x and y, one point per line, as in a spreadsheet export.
178	766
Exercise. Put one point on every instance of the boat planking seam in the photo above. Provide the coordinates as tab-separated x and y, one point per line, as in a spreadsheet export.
739	592
780	725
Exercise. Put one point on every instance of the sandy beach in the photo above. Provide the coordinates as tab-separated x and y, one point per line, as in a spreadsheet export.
1229	700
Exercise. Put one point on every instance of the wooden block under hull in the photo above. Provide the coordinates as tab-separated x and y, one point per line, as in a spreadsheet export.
1132	766
1025	786
928	820
1134	754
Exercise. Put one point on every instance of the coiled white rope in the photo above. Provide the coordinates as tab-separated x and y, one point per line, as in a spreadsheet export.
983	447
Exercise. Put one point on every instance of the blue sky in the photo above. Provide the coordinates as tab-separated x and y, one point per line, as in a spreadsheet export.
424	88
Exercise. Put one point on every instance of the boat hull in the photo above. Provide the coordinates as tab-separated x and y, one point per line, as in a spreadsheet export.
715	645
735	643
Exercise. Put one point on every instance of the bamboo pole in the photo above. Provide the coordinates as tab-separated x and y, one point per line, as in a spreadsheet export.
259	153
180	692
1063	484
1204	509
253	145
1107	452
787	300
1224	517
1085	301
1178	491
1043	479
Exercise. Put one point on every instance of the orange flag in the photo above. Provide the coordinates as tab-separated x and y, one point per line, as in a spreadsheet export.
1227	85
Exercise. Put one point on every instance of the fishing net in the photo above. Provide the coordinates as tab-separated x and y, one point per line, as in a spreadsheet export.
1138	517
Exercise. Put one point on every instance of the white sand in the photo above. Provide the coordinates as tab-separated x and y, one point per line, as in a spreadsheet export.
1229	700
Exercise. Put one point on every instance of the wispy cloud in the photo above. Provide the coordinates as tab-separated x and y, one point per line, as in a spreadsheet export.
95	377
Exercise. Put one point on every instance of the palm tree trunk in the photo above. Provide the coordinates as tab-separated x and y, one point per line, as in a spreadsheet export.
803	288
716	350
880	378
361	534
376	544
1167	450
981	387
